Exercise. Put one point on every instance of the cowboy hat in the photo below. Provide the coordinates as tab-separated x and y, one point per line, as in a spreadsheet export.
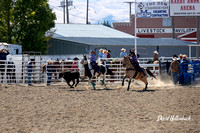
175	58
91	51
155	52
184	56
100	50
75	58
123	49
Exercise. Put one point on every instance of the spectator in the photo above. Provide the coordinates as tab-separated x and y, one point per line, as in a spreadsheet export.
155	56
174	68
174	56
3	55
101	53
108	54
180	58
123	53
105	54
184	64
75	64
51	68
30	66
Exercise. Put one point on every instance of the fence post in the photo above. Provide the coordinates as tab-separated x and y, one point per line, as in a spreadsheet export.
5	72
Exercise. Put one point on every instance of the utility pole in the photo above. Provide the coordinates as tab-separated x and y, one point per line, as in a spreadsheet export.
198	36
62	4
87	12
173	27
129	9
67	11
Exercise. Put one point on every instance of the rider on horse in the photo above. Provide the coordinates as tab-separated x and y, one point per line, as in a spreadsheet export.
135	62
93	61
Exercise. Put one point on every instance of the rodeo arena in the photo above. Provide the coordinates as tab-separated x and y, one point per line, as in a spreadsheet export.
138	76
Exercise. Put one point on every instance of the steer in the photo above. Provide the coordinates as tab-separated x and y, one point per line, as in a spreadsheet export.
70	76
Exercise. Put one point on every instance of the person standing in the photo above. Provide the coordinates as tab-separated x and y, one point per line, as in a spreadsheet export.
123	53
30	66
3	56
51	68
180	60
75	64
105	54
101	53
108	54
174	68
155	56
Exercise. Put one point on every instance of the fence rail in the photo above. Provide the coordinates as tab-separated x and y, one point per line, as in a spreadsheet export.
16	71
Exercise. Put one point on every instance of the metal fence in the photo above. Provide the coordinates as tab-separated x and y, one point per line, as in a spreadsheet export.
17	71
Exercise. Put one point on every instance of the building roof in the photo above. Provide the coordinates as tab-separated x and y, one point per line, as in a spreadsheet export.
83	30
102	35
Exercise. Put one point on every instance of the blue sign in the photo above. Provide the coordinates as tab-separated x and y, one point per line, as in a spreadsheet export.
152	10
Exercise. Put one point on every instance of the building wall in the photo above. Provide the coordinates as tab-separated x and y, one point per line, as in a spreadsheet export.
61	47
179	22
147	51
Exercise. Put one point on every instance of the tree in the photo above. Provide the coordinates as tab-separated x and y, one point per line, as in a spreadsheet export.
26	22
6	19
33	18
106	23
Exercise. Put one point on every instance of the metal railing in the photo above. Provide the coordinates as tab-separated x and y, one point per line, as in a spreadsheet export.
17	71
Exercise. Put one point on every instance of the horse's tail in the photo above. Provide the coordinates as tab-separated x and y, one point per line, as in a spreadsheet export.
150	73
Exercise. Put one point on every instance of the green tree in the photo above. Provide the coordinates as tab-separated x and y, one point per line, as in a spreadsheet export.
6	21
33	18
106	23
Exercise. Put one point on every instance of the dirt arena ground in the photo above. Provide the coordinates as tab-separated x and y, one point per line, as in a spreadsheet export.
110	109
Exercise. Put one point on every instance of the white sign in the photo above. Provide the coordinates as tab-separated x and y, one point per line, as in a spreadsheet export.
184	7
165	30
152	10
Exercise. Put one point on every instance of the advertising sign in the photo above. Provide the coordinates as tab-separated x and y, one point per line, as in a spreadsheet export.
184	7
152	10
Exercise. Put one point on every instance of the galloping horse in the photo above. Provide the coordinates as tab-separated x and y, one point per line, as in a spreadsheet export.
131	73
91	73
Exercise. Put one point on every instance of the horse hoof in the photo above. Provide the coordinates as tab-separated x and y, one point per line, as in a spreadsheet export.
71	87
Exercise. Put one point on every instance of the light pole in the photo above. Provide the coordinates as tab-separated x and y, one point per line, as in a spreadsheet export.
62	4
130	3
67	11
87	12
135	28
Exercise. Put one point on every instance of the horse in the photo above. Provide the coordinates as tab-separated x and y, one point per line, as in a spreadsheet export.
131	73
90	73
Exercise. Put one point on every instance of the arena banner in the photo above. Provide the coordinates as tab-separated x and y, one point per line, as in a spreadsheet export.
184	7
152	10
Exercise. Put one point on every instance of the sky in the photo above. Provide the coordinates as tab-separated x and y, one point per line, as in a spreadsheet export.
99	10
